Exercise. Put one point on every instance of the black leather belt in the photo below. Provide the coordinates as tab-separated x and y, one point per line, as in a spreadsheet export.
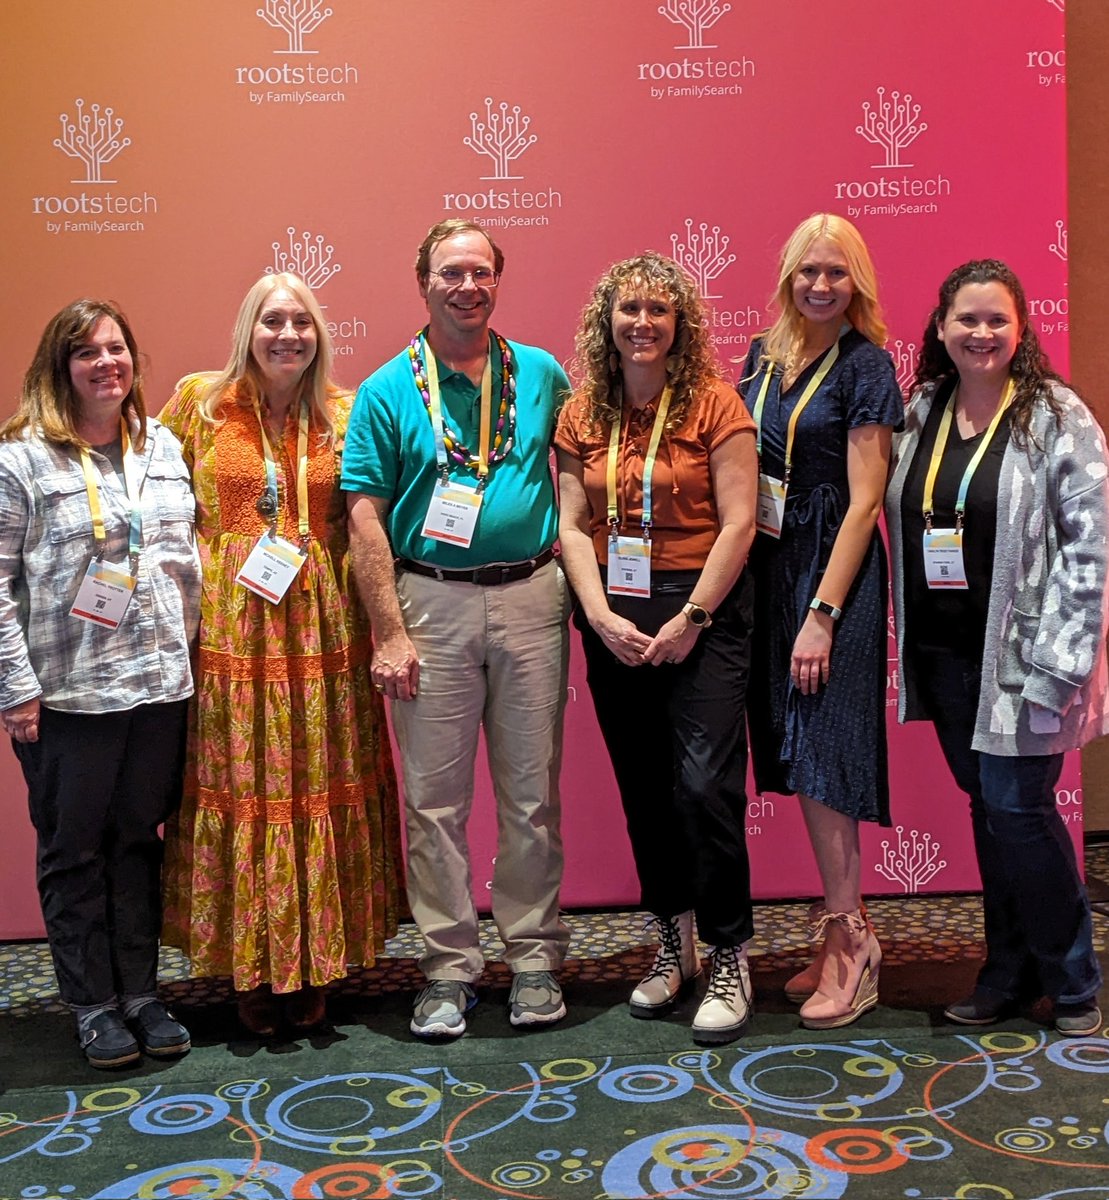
487	576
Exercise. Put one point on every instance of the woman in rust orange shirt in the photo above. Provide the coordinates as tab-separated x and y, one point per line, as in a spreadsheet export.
656	459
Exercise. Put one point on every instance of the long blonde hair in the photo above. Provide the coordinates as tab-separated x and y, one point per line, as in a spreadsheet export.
243	374
783	339
690	364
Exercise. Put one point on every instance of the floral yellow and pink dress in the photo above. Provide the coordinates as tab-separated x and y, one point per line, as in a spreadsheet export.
284	864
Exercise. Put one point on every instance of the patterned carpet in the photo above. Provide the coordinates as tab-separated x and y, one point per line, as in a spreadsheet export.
900	1106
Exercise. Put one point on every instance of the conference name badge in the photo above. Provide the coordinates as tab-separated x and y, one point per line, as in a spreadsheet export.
453	512
103	595
770	506
943	559
629	567
270	567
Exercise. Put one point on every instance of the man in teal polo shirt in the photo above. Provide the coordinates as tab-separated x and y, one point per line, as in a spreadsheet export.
453	519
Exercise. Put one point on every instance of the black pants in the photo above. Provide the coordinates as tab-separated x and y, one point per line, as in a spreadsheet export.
676	737
99	786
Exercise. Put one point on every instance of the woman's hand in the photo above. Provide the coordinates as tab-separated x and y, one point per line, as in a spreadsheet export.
623	638
21	721
812	654
673	641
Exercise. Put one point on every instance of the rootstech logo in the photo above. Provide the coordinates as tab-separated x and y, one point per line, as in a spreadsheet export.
695	76
892	123
299	81
502	135
92	135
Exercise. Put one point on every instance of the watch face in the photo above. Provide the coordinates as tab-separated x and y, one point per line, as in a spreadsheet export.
698	615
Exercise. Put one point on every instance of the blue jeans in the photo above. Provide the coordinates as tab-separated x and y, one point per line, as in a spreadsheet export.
1039	938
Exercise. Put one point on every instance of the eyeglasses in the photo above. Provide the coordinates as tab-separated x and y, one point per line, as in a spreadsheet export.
456	277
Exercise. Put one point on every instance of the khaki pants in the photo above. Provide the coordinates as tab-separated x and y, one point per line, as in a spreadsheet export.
493	658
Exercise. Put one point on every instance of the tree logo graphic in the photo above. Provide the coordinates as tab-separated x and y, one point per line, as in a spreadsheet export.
905	357
296	19
696	17
311	258
912	862
501	137
1059	246
703	254
92	137
892	124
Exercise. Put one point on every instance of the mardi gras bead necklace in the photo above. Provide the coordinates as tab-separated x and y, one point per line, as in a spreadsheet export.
505	432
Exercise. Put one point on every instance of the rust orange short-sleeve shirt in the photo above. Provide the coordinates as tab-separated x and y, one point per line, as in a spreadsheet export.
684	520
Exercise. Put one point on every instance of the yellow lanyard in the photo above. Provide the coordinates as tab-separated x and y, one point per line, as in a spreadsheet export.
485	421
825	366
648	467
134	500
972	466
302	471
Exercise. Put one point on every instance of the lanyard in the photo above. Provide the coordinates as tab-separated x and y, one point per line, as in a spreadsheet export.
302	470
972	466
130	479
435	404
825	366
648	467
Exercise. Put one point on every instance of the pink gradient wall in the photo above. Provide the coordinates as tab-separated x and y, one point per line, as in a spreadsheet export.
227	144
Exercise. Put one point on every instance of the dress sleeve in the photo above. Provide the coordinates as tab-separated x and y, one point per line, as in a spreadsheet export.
180	415
750	367
871	395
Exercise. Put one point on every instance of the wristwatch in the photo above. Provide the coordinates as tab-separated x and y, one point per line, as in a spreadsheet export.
823	606
696	615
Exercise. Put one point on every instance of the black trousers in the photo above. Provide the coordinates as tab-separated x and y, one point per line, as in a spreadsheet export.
676	737
99	786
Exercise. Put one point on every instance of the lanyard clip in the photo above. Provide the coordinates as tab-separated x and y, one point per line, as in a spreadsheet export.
928	521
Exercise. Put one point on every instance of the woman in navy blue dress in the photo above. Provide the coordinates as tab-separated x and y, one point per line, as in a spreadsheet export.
825	397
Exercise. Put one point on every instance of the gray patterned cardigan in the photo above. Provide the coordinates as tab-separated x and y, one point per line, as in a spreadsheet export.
1046	620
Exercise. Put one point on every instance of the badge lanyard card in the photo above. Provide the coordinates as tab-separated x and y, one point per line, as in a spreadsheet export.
771	502
456	503
943	548
106	588
274	562
629	559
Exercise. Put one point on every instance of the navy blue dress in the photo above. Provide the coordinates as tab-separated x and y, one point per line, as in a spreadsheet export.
830	746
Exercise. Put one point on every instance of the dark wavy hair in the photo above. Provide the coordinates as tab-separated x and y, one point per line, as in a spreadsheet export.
691	363
1030	369
48	402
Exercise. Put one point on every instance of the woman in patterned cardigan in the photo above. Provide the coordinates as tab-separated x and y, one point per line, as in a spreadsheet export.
997	512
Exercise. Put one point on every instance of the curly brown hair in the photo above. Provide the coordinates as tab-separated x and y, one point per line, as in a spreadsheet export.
1031	370
691	363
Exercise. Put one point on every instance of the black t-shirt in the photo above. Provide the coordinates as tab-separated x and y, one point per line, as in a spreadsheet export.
947	618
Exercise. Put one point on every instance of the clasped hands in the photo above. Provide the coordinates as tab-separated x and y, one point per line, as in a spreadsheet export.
634	648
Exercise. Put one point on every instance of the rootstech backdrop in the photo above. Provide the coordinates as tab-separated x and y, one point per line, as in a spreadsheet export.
165	155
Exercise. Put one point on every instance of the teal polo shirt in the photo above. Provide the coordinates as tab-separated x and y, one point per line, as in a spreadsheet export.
390	453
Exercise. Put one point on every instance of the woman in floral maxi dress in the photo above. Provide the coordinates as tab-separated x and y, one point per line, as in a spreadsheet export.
284	864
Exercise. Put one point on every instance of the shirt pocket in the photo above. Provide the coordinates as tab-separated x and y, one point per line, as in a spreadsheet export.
1015	663
66	515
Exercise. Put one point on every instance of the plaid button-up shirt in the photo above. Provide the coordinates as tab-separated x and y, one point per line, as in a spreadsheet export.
46	543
